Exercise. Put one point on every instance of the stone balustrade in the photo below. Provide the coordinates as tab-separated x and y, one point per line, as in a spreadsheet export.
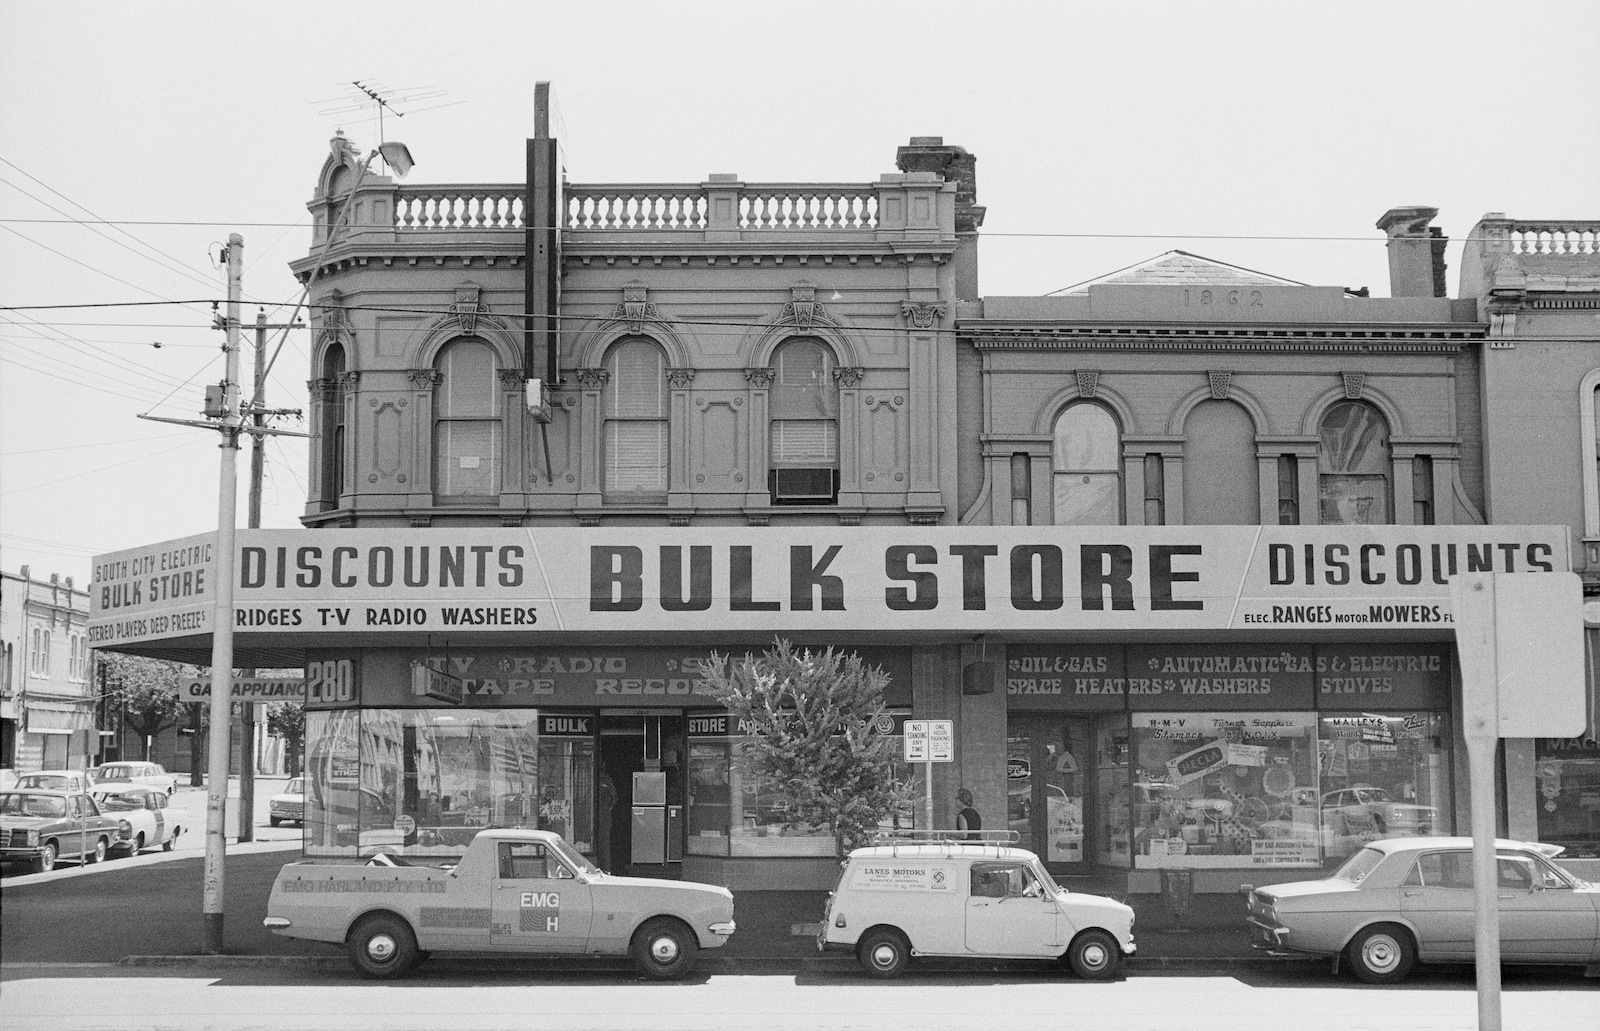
1566	237
458	207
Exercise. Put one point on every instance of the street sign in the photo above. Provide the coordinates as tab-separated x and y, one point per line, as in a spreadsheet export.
930	741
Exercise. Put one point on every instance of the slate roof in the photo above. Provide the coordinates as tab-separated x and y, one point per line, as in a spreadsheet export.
1180	268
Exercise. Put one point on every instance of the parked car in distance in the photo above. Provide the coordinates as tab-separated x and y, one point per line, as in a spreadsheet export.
1360	809
145	817
72	781
150	775
519	891
1402	900
936	894
8	778
290	806
41	827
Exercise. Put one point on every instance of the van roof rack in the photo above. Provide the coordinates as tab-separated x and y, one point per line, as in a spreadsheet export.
945	837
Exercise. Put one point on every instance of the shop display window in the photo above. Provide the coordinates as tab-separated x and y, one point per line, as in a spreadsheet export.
1382	775
423	781
1568	772
1225	790
1112	838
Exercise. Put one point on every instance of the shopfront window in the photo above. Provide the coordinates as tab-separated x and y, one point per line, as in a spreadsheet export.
1112	840
1569	795
1382	775
1225	790
422	781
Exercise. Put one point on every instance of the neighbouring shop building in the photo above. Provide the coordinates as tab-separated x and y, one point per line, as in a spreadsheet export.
47	703
1172	552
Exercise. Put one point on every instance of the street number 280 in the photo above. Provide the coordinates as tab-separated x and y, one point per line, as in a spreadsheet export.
331	681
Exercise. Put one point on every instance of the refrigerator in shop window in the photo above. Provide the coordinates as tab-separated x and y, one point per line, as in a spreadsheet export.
650	818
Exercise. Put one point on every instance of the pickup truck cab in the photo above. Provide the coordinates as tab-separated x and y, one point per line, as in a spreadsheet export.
968	899
514	891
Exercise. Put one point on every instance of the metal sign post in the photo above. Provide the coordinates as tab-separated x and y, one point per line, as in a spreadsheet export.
1521	647
929	742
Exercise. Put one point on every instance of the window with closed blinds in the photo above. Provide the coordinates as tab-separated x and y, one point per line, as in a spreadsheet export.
637	436
466	429
805	406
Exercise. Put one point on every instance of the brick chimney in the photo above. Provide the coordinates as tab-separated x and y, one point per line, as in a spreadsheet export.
932	154
1416	253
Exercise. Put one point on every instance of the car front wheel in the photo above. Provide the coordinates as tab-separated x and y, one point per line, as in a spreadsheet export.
382	946
884	953
664	949
275	820
1381	954
47	858
1093	955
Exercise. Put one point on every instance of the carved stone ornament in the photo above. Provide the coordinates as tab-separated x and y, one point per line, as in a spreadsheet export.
802	311
680	378
922	316
760	377
350	380
468	307
511	379
424	379
591	379
1355	383
1221	383
1088	382
847	376
335	321
324	390
635	308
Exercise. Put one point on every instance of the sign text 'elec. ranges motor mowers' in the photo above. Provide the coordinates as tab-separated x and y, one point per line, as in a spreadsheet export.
313	584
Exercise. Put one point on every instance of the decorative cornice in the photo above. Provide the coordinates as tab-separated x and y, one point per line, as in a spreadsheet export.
424	379
1355	384
760	377
591	379
1221	381
1088	382
680	378
848	376
1232	339
921	315
468	307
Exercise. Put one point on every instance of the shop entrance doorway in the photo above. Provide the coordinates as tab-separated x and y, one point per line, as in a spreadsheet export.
641	831
1066	787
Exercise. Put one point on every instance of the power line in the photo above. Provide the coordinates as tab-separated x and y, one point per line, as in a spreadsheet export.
79	447
101	469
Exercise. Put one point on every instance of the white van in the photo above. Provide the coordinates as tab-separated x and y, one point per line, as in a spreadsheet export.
960	898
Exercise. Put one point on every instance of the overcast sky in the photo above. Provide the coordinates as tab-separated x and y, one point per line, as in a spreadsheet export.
135	137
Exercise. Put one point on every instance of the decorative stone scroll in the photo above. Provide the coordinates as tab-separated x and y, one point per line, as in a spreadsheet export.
591	379
468	307
680	378
424	379
511	379
922	316
760	378
635	308
848	376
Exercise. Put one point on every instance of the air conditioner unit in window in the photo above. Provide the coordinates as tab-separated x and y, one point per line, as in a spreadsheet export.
804	486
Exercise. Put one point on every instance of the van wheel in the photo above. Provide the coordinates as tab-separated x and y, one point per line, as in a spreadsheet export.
382	946
1093	955
1381	954
884	952
664	949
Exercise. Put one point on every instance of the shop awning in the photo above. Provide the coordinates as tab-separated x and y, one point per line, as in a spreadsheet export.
56	718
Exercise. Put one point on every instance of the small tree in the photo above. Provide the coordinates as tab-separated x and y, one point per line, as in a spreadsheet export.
147	689
817	723
288	721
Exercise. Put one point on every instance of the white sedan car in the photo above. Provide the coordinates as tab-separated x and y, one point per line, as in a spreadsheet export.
144	817
150	775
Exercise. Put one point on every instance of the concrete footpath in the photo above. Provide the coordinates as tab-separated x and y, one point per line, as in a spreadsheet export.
146	911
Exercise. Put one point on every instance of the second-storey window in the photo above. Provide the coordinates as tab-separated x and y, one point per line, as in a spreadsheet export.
805	424
637	436
466	422
1353	465
1087	467
331	424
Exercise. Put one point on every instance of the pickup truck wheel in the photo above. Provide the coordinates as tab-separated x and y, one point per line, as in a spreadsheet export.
1381	954
47	858
664	949
1093	955
382	946
884	953
101	847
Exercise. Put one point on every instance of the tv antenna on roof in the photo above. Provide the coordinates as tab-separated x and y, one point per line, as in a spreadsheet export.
368	94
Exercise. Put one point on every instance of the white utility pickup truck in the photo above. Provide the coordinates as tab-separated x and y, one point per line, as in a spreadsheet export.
514	891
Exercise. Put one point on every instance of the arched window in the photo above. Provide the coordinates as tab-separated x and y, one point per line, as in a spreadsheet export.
637	438
466	422
1087	467
805	424
1353	465
330	401
1221	478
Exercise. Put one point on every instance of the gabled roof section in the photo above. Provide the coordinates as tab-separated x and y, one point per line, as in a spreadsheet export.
1179	268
